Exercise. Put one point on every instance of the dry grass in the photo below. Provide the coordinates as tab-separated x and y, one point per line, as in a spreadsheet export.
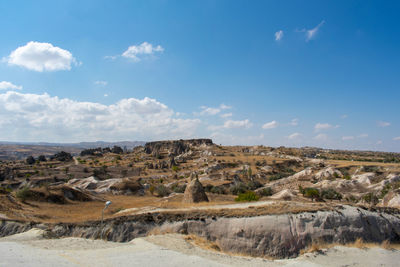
317	247
202	242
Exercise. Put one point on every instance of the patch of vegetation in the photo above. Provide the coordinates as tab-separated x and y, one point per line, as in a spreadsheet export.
161	191
370	198
331	194
252	185
178	188
385	190
237	189
175	168
23	194
247	196
266	192
310	192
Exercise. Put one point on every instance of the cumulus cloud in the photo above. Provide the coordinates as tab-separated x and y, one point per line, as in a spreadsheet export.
310	34
101	83
383	123
278	35
41	57
324	126
396	138
213	111
364	135
43	117
294	136
345	138
231	124
135	52
270	125
9	86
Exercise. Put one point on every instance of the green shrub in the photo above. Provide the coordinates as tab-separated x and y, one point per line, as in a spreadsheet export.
370	198
178	188
252	185
311	192
247	196
175	168
331	194
23	194
385	190
161	191
217	190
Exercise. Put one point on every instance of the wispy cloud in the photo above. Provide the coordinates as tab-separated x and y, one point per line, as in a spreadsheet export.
294	122
344	116
226	115
383	123
294	136
214	111
101	83
397	138
310	34
321	137
9	86
278	35
231	124
324	126
270	125
346	138
364	135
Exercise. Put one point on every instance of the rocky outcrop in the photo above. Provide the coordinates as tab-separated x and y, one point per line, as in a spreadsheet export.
194	192
174	147
127	186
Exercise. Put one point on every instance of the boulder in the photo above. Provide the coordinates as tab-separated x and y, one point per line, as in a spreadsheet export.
194	191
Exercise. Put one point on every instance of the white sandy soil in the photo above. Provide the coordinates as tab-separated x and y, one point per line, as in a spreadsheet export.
30	249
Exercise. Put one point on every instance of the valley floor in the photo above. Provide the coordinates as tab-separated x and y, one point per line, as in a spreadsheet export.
31	249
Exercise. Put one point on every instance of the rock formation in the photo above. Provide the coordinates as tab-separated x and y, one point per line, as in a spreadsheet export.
194	191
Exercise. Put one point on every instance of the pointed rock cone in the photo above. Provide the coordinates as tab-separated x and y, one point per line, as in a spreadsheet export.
194	192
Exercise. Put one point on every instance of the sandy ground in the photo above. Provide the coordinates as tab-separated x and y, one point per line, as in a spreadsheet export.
30	249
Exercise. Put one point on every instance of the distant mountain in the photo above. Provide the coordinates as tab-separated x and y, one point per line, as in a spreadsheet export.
21	150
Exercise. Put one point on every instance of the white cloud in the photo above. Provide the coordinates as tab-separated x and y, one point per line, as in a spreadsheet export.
383	123
9	86
41	57
270	125
345	138
321	137
213	111
364	135
294	136
101	83
344	116
278	35
43	117
135	51
396	138
226	115
379	142
105	95
310	34
294	122
324	126
231	124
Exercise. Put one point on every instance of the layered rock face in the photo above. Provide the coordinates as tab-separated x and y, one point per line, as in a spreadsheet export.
279	236
175	147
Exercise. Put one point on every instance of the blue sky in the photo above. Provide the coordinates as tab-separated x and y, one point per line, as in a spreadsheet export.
293	73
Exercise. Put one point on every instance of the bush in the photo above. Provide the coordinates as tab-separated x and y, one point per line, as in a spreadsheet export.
266	192
23	194
30	160
247	196
178	188
252	185
175	168
310	192
217	190
370	198
331	194
41	158
237	189
161	191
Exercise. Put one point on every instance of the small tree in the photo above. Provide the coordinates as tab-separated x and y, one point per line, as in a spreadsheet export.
30	160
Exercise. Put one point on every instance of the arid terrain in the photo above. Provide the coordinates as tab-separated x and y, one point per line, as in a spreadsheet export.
254	201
